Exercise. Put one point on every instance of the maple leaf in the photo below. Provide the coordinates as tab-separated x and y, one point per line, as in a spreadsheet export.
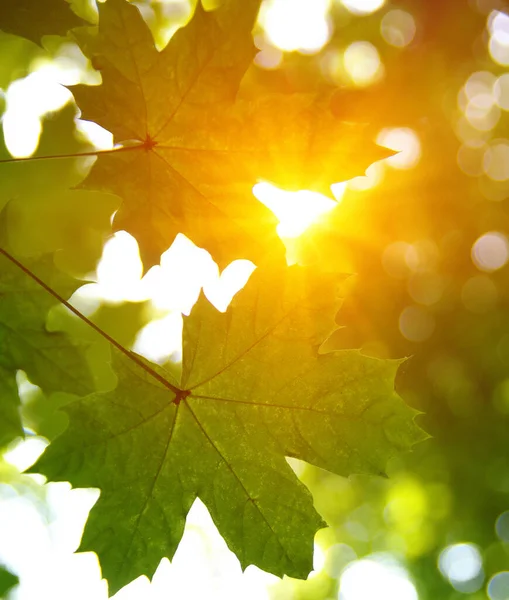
254	388
49	359
34	18
192	154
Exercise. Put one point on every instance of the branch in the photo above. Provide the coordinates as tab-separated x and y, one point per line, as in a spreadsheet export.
140	363
76	155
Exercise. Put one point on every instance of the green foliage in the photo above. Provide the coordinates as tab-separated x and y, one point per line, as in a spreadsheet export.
255	386
35	18
7	581
49	360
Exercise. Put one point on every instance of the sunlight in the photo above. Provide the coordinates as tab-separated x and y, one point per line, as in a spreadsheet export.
184	270
406	142
301	25
296	211
498	26
234	277
461	565
160	340
25	452
501	91
398	28
496	160
379	577
46	565
490	252
119	276
268	57
460	562
202	550
374	175
363	7
39	93
362	63
173	287
68	66
498	586
28	100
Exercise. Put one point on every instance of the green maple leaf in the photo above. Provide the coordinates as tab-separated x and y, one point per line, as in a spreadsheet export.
49	359
192	152
34	18
254	388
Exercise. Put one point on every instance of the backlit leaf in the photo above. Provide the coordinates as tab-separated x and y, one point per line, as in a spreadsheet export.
49	359
34	18
254	389
192	154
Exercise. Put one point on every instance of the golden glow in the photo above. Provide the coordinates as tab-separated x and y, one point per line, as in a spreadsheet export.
416	324
501	91
362	7
398	28
301	25
374	175
296	211
174	286
269	57
490	252
362	63
406	142
479	294
496	160
498	26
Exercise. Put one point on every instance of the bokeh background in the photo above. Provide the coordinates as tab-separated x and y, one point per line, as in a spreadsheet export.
426	234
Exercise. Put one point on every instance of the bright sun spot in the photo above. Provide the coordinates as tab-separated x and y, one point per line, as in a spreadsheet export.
363	7
462	565
185	271
41	92
498	26
362	63
296	211
301	25
406	142
173	287
28	100
378	577
490	252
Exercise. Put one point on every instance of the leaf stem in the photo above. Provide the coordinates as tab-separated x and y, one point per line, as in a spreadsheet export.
97	329
76	155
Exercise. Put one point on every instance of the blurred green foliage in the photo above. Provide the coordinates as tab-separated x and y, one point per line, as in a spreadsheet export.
453	487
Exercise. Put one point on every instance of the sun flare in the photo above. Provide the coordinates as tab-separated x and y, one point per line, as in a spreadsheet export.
296	211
